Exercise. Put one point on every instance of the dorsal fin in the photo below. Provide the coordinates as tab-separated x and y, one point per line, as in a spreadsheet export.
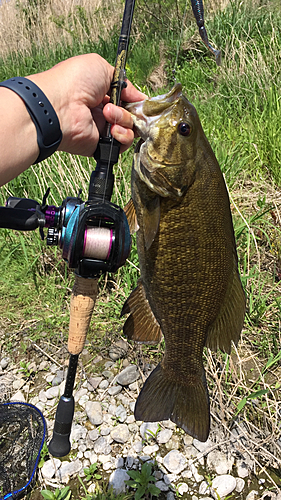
229	322
141	325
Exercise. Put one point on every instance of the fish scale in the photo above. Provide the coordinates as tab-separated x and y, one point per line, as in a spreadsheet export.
190	285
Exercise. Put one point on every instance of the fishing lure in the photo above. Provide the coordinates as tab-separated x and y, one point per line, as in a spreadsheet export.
198	11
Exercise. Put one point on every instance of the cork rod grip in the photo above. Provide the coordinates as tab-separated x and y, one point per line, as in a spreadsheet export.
83	297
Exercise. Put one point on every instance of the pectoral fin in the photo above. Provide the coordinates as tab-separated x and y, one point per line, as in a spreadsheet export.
141	325
151	219
131	215
229	322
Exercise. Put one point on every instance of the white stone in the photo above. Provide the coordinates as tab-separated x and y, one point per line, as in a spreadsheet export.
94	412
117	481
52	392
162	486
148	430
50	467
164	436
174	461
120	433
218	461
240	483
78	394
77	432
182	488
223	485
242	469
68	469
19	396
150	449
252	495
203	447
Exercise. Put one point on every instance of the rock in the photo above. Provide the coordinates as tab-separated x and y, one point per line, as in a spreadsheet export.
115	389
187	440
79	394
252	495
182	488
120	433
77	432
117	481
50	468
174	461
128	376
121	413
56	381
68	469
240	483
223	485
52	392
94	412
218	461
93	383
150	449
118	350
170	496
162	486
108	374
101	446
4	363
242	469
18	384
148	430
170	478
204	488
94	434
173	443
203	447
19	396
104	384
164	436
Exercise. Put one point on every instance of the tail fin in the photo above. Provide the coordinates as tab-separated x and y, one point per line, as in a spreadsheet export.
185	404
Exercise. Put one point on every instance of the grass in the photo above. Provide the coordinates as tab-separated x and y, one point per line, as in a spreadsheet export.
239	106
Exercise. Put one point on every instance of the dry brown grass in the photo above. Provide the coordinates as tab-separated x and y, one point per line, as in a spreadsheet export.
45	23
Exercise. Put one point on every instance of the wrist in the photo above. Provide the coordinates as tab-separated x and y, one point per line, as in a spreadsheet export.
41	112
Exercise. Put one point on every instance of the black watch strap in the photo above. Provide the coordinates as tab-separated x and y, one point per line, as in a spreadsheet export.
45	119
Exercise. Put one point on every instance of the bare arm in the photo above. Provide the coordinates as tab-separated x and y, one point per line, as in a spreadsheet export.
78	90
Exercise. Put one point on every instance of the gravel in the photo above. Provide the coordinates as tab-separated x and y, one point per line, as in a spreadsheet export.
104	431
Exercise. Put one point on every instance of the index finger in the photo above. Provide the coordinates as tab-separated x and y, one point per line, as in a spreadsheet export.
131	94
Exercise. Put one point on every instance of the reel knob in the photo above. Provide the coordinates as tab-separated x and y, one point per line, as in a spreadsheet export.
52	236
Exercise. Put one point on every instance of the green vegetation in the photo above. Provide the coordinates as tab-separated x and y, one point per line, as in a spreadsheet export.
239	105
143	482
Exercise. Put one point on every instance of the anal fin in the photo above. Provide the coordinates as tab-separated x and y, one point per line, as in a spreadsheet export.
141	325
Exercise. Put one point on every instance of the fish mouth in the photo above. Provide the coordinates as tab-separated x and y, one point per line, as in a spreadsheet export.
153	106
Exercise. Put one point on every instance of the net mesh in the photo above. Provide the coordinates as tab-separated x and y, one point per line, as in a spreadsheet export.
22	435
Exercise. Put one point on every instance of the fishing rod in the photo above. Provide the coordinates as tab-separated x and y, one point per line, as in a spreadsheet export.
94	237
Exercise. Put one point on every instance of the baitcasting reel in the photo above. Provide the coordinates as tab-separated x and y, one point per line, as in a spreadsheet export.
94	235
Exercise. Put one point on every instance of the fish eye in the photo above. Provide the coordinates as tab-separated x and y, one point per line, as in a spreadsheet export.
184	129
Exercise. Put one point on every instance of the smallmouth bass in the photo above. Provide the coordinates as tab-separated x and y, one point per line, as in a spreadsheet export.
189	290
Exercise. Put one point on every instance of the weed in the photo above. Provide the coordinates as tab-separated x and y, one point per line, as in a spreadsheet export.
44	455
143	482
63	494
24	369
90	472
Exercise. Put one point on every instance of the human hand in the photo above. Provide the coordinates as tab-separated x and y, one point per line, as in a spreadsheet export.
78	90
